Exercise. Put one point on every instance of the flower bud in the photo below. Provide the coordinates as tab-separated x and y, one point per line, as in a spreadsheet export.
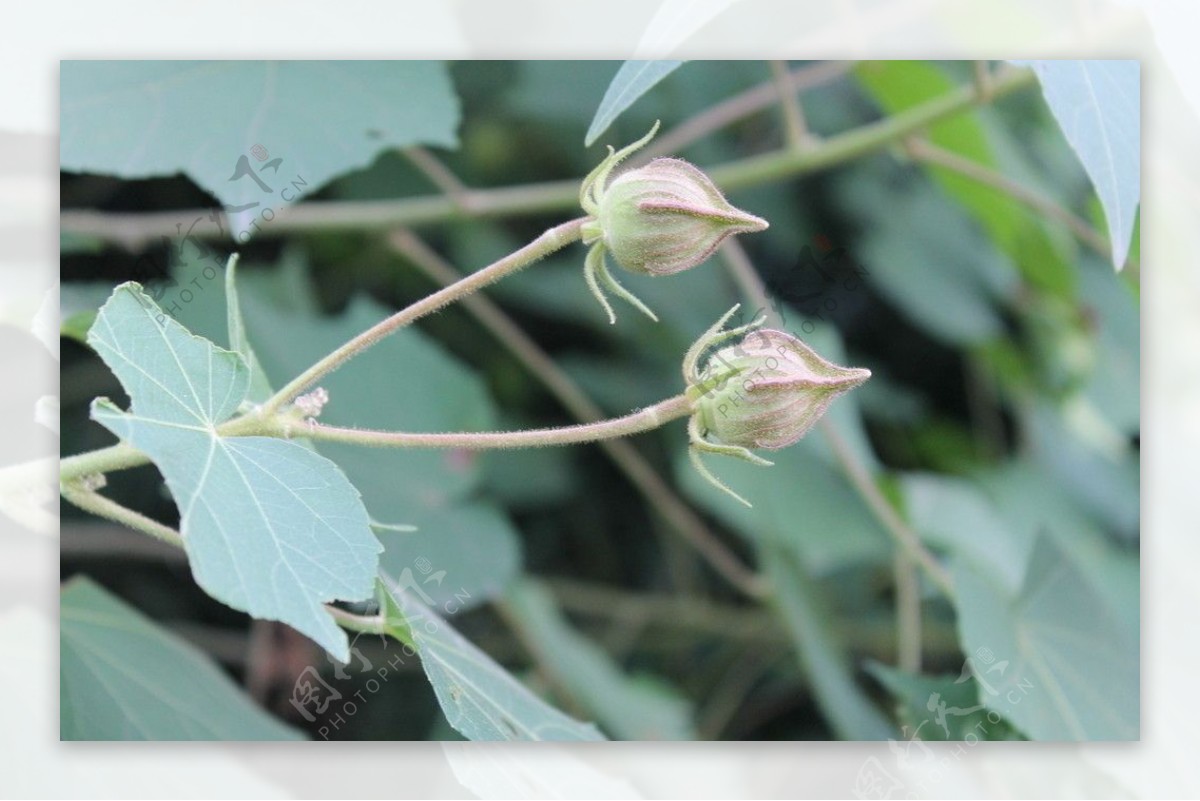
656	220
769	390
666	217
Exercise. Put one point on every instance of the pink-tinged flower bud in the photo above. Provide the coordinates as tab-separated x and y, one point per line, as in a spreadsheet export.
772	389
659	219
766	391
667	217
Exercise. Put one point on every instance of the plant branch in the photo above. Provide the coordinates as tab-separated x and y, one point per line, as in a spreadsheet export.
102	460
982	75
91	501
905	537
908	612
440	176
861	141
739	107
550	241
679	516
929	153
645	420
264	422
133	230
789	106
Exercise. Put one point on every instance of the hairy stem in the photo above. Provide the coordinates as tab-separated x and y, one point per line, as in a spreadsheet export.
679	516
550	241
645	420
91	501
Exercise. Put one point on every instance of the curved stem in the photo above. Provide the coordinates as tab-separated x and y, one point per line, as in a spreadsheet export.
364	624
658	494
102	460
645	420
550	241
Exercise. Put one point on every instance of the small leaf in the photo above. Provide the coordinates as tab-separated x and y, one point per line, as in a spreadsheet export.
124	678
1062	666
273	131
632	80
1098	106
480	699
270	527
629	707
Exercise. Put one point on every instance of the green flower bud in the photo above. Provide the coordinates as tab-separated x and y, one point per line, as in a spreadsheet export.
771	390
667	217
659	219
766	391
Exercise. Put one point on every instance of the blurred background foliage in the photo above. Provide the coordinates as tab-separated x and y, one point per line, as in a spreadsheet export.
1002	423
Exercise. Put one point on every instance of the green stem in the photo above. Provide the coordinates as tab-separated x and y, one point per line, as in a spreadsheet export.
905	537
924	151
95	503
103	460
645	420
789	105
640	472
908	612
134	230
863	140
550	241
